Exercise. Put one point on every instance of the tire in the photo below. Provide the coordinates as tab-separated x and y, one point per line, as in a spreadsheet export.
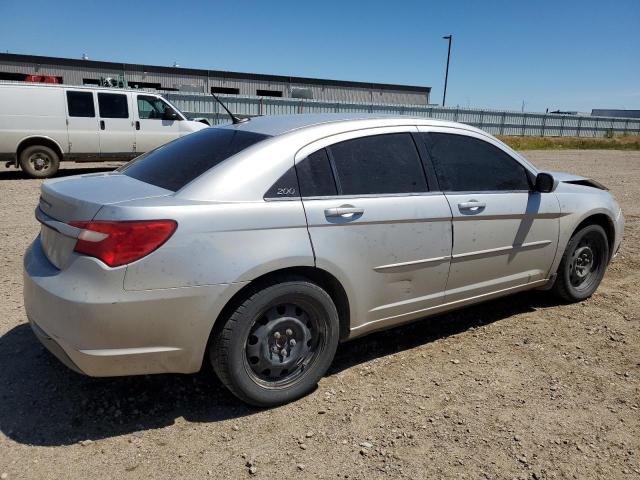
277	343
39	161
583	264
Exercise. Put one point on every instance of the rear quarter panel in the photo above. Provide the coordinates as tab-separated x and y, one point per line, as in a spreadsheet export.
218	243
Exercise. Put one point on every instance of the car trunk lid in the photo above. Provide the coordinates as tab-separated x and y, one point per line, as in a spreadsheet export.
67	200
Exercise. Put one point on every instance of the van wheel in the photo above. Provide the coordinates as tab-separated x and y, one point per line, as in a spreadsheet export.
277	344
39	161
583	264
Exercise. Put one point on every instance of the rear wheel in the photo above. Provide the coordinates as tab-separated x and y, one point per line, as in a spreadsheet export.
277	344
39	161
583	264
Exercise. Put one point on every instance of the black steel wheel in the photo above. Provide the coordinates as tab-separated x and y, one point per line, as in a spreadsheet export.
277	343
39	161
283	342
583	264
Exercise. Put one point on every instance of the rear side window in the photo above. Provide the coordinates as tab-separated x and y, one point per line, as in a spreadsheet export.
113	105
467	164
378	164
80	104
315	176
175	164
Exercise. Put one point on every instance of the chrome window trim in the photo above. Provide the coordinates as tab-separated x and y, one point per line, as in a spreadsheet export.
329	140
374	195
350	197
485	192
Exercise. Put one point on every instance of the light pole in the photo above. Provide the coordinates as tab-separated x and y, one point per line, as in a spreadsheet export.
446	75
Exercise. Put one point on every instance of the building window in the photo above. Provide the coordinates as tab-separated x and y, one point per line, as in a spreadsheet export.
156	86
227	90
269	93
15	77
301	93
90	81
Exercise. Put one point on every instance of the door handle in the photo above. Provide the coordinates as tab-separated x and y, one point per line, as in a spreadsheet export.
472	205
345	211
101	124
137	125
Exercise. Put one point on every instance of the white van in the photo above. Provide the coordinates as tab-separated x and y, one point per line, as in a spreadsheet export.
42	125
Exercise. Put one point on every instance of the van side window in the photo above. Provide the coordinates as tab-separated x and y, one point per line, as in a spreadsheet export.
315	176
113	105
150	108
80	104
378	164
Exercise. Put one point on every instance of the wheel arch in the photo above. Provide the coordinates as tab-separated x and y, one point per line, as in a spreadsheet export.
38	140
603	220
316	275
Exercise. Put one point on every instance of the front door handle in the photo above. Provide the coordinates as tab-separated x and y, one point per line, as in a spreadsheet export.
101	124
472	205
344	211
137	125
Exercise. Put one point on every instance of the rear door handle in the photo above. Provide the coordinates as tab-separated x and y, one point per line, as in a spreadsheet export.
471	205
345	211
101	124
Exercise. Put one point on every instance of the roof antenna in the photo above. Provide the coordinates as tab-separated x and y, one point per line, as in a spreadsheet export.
235	120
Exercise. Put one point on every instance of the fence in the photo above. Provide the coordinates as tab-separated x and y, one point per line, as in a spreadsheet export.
496	122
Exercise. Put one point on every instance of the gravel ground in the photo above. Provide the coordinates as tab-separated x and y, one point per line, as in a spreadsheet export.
520	387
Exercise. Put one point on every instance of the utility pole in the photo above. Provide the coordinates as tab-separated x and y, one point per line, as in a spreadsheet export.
446	75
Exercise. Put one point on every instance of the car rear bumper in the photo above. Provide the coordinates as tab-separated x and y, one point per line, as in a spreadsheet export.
85	318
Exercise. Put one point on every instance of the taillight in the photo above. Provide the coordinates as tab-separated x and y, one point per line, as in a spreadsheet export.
119	243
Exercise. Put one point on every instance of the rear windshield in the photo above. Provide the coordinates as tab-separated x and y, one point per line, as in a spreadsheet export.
175	164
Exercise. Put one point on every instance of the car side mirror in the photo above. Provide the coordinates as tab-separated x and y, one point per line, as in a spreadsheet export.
170	114
545	183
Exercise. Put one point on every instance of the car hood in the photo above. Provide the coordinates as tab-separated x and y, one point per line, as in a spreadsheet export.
564	177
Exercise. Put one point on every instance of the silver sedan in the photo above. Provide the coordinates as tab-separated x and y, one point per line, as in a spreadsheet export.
260	246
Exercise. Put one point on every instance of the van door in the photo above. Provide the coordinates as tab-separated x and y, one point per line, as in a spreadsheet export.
117	135
378	228
152	129
82	124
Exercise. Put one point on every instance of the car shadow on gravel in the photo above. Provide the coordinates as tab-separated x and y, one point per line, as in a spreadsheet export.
15	174
44	403
418	333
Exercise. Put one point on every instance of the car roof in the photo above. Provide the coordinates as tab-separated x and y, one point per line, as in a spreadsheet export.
275	125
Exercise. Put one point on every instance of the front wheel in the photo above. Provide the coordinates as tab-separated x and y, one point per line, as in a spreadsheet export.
583	264
277	344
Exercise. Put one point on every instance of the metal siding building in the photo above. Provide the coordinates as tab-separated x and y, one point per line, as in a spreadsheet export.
88	72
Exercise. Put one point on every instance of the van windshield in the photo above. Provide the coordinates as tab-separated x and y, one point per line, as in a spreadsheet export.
177	163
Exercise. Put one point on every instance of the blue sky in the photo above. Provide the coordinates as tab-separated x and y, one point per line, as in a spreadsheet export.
571	55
